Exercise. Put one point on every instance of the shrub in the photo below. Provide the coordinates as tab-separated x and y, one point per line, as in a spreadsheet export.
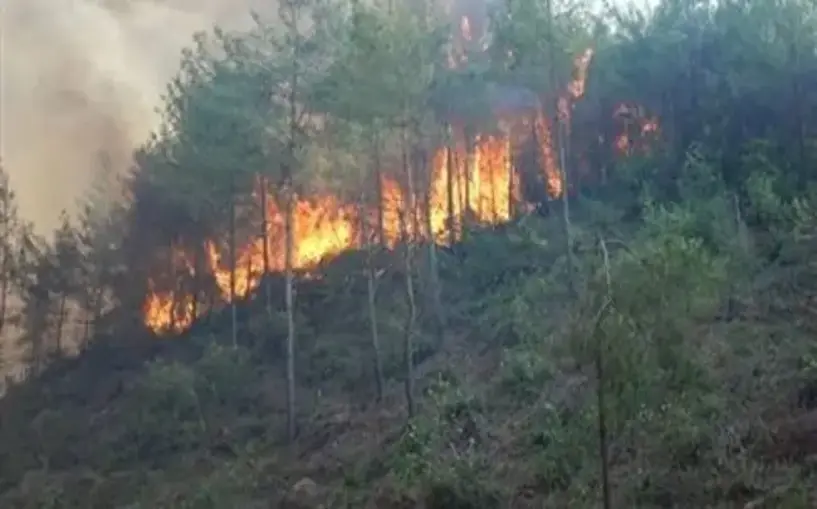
439	452
167	410
525	370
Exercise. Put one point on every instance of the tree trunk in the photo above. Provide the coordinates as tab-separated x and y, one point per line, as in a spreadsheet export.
378	178
86	328
288	254
797	110
470	168
604	449
60	324
90	307
511	177
174	294
371	293
233	262
4	288
560	142
290	305
449	186
96	313
434	290
408	340
268	305
197	259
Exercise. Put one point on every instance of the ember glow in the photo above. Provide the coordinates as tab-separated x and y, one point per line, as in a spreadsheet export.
636	129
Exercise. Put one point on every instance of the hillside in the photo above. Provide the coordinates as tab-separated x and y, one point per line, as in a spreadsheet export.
703	375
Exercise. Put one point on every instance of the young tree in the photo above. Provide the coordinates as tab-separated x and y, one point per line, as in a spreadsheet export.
415	50
101	221
34	282
65	275
352	92
9	224
292	56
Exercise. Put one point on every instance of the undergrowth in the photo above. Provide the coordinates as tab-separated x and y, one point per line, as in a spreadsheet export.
699	372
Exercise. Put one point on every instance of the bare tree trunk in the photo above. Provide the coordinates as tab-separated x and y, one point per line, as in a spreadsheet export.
7	215
60	324
86	328
434	285
174	294
288	250
560	141
411	317
797	110
601	381
90	307
511	177
197	256
268	304
470	169
4	285
378	177
371	293
233	262
449	185
96	313
4	292
290	309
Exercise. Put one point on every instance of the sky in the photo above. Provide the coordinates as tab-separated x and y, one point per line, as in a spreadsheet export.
80	81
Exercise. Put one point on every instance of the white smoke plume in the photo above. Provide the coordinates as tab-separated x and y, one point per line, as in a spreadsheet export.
81	80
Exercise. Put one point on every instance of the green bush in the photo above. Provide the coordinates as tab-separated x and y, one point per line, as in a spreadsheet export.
167	410
439	453
564	445
525	369
226	376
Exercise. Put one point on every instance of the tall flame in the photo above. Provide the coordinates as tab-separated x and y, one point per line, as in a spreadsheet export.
474	181
324	226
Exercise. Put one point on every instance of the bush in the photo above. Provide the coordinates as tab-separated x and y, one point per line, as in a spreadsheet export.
167	410
565	446
225	376
525	370
439	451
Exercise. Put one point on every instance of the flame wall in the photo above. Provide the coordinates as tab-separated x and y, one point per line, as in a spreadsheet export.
476	180
324	226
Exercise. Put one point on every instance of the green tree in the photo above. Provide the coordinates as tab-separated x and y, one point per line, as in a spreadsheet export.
34	282
9	224
65	281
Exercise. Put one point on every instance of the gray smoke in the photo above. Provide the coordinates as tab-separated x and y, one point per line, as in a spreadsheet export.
81	80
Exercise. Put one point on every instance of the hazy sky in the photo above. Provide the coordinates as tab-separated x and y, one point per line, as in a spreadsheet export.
82	78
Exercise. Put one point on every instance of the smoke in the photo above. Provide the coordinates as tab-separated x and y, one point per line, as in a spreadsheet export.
81	81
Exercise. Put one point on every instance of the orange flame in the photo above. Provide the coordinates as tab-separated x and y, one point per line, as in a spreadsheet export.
484	187
323	226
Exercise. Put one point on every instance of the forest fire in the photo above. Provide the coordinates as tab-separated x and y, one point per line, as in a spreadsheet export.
637	128
476	181
324	226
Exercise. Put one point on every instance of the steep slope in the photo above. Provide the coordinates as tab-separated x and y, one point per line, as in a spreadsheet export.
508	414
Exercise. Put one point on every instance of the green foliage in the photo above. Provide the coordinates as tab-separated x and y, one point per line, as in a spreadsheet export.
563	452
167	410
440	452
525	369
226	376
